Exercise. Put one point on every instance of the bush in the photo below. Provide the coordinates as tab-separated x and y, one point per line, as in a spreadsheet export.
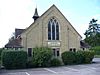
87	56
14	59
30	64
68	57
97	56
0	52
41	56
77	57
96	50
55	62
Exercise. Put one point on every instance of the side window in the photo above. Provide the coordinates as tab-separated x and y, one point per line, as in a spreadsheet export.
70	49
74	49
29	52
49	31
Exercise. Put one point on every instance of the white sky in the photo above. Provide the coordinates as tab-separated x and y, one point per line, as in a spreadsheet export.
18	14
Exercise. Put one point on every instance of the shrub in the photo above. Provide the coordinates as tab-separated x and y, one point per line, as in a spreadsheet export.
0	52
96	50
87	56
55	62
30	64
68	57
14	59
41	56
78	58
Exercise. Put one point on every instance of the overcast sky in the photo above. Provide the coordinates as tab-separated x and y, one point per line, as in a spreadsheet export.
18	14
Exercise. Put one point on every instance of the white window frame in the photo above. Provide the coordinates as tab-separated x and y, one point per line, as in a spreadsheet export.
55	23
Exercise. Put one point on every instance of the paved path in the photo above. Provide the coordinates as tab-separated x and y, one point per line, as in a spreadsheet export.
87	69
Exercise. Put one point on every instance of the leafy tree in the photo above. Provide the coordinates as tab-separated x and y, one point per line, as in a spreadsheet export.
12	37
93	33
93	29
93	40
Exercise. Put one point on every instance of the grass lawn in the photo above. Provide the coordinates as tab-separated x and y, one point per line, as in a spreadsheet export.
97	56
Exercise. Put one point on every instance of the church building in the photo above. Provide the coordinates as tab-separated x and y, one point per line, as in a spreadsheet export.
53	30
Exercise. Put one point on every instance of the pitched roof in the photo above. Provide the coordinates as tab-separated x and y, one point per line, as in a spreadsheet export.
61	14
84	44
18	32
15	43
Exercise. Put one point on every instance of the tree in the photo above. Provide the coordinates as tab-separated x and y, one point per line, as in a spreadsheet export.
93	33
93	29
12	37
93	40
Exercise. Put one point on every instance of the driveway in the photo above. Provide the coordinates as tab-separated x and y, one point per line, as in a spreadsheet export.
87	69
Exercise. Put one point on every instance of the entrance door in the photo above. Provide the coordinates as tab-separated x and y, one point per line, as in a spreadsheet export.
56	52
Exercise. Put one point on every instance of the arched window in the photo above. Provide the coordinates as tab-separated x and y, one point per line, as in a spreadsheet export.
53	29
57	31
49	31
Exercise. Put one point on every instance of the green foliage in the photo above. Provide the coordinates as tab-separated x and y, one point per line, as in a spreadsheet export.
41	56
97	56
93	29
93	34
93	40
68	57
77	57
30	64
87	56
0	52
55	62
14	59
96	49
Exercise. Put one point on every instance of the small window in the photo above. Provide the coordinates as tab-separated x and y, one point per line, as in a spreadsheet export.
74	50
49	31
29	52
70	49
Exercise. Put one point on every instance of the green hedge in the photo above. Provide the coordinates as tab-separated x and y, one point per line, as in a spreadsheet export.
14	59
55	62
96	50
41	56
0	52
68	57
77	57
87	56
